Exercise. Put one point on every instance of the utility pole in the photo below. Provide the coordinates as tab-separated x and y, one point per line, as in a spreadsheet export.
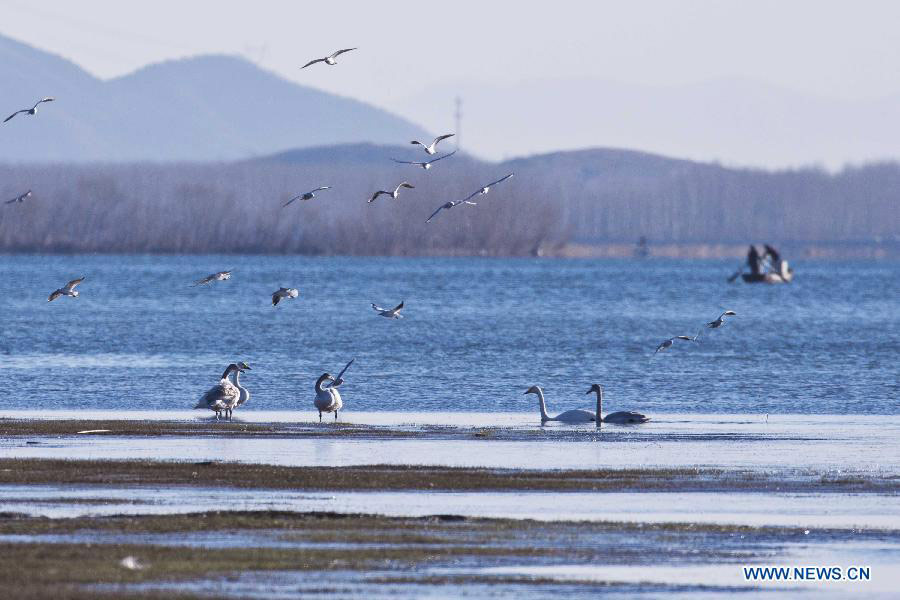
458	121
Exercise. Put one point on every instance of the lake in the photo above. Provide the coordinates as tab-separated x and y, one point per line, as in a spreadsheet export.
477	333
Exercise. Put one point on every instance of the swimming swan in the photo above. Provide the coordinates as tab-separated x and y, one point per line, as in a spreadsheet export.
624	417
570	416
328	399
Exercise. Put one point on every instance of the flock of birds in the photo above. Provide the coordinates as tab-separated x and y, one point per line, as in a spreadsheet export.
228	394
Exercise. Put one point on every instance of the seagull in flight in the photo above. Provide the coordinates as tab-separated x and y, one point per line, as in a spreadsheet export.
220	276
66	290
448	206
425	165
288	293
721	320
30	111
308	195
328	60
488	187
20	198
668	343
390	313
393	194
430	148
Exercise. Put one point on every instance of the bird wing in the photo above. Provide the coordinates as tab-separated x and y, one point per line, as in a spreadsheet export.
344	370
339	52
205	280
14	200
440	208
404	185
502	179
291	200
312	62
14	114
442	157
377	308
442	137
470	196
319	189
378	193
407	162
56	294
397	308
41	101
276	298
71	285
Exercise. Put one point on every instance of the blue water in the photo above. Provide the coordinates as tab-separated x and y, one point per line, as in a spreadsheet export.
477	333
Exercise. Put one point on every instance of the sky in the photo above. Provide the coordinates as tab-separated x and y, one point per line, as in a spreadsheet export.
411	50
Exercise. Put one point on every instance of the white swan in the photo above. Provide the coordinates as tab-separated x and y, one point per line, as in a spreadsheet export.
570	416
244	392
430	148
328	399
328	60
624	417
222	396
66	290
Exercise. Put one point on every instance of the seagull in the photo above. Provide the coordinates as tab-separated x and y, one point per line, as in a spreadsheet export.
390	313
429	149
488	187
668	343
449	205
66	290
288	293
308	195
220	276
20	198
393	194
424	165
721	320
30	111
328	60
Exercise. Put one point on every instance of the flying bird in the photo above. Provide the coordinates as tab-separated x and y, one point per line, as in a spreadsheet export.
448	206
220	276
390	313
668	343
430	148
20	198
328	60
393	194
66	290
721	320
308	195
288	293
425	165
488	187
30	111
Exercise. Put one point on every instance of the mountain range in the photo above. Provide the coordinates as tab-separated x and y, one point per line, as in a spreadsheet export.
209	108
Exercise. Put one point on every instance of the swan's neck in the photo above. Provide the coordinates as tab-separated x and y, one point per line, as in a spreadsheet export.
542	404
237	380
319	382
599	407
226	373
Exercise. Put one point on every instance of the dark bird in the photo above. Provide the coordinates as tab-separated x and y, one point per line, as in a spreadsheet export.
307	195
393	194
30	111
328	60
21	198
425	165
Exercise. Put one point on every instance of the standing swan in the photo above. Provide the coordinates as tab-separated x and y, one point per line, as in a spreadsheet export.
328	399
570	416
625	417
244	392
222	396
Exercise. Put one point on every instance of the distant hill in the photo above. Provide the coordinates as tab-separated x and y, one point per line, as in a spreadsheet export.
201	109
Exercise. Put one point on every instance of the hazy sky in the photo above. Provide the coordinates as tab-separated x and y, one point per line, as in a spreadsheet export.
839	50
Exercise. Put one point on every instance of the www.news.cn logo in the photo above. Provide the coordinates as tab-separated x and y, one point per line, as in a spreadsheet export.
812	573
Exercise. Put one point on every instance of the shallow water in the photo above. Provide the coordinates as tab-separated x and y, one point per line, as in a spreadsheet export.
477	333
816	445
830	510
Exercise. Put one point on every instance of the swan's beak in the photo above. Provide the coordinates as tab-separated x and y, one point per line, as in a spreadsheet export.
589	391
